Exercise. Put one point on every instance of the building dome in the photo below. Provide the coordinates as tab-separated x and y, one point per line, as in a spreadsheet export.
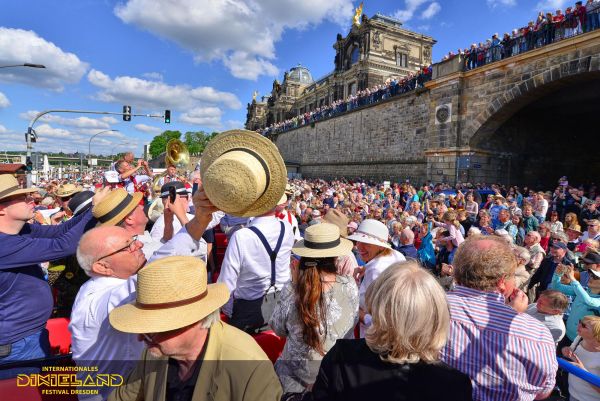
300	74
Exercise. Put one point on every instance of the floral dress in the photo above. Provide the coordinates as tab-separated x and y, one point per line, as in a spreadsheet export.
298	365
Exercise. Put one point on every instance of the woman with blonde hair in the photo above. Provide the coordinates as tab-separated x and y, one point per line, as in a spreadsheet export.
585	354
571	222
399	358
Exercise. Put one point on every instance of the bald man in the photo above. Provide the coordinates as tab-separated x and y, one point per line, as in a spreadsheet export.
111	256
407	243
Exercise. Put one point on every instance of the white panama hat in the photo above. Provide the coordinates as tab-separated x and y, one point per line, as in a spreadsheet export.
373	232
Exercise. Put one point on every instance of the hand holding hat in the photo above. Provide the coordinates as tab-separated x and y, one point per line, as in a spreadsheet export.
202	205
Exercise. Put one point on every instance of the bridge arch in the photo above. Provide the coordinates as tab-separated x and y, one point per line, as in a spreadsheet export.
544	127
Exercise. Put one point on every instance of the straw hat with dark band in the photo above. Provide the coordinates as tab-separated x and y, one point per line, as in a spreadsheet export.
243	173
322	241
115	207
67	190
171	293
9	186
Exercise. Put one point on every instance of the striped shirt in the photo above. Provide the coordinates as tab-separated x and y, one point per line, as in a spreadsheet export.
508	356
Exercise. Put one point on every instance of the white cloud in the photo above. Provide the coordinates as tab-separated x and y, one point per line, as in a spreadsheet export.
53	139
233	124
207	116
411	7
153	76
501	3
4	102
431	10
156	95
147	129
3	129
230	30
18	46
79	122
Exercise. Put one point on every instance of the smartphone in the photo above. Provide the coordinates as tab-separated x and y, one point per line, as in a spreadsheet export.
172	194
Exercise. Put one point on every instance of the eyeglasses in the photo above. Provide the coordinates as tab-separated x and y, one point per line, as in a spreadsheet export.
131	247
582	324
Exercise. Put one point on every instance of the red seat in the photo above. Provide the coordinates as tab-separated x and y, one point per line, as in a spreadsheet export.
60	337
271	343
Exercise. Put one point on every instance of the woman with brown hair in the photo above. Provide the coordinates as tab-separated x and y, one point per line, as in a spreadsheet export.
315	309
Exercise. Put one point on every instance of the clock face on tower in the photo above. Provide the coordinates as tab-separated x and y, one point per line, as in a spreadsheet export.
442	114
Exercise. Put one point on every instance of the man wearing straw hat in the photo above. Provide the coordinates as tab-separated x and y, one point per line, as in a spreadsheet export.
112	256
27	302
244	175
191	354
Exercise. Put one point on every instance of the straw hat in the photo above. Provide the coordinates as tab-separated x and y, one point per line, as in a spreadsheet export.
339	219
116	206
156	209
9	186
371	232
322	241
243	173
171	293
67	190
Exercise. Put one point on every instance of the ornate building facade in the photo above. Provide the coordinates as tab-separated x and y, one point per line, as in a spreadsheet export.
375	50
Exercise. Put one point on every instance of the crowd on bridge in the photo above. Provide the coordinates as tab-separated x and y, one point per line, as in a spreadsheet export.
392	87
353	288
546	29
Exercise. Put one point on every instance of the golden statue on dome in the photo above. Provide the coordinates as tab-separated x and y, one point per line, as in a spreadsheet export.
358	14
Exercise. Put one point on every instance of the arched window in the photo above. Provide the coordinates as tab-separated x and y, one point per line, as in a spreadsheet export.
354	56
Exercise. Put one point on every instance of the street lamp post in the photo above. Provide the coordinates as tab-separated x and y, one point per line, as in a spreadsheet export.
90	142
24	65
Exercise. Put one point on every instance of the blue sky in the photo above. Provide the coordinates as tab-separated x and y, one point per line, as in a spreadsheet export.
202	59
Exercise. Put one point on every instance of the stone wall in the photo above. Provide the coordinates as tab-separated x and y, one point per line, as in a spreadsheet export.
402	138
383	141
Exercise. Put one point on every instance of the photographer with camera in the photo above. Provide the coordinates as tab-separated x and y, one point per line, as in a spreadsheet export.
585	302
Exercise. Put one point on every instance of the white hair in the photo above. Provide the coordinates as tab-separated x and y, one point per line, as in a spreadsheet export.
86	260
211	319
473	231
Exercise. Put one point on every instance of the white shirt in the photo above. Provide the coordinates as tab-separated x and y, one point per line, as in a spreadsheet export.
373	269
554	323
580	389
150	245
182	244
158	228
139	179
94	341
246	268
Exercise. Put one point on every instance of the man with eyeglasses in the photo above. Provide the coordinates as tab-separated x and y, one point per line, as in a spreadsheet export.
26	301
112	255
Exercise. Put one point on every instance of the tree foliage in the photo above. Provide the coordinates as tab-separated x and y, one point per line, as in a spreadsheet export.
197	141
159	143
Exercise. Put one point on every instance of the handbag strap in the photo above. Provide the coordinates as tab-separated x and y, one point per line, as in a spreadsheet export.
272	252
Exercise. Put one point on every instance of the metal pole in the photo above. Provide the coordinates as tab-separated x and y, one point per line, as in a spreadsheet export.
90	143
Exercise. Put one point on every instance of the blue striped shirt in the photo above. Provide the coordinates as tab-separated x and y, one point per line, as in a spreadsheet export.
508	356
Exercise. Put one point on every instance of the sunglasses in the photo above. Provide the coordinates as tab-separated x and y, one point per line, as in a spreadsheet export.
582	324
19	198
164	335
131	247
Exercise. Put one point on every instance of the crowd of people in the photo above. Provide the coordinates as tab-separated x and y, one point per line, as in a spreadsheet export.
392	87
378	290
546	29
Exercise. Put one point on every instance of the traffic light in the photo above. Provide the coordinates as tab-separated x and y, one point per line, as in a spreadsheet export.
28	164
167	116
126	113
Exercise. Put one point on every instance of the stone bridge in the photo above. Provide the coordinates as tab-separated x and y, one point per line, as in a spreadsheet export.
528	119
